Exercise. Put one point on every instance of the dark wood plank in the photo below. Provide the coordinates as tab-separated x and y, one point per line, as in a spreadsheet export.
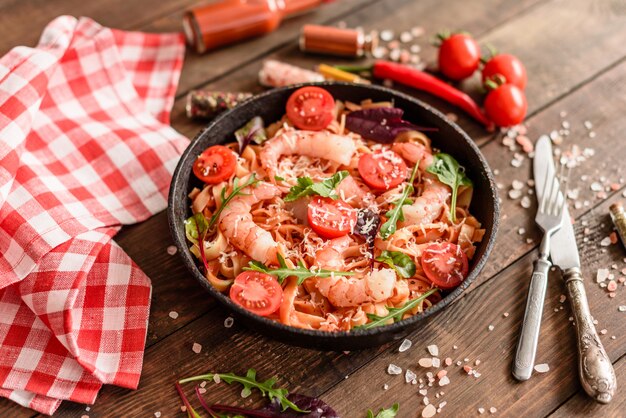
21	21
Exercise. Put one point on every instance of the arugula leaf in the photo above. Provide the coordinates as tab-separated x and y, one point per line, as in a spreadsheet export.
249	382
326	188
395	313
279	178
398	261
253	131
252	180
450	173
301	272
394	215
385	413
196	226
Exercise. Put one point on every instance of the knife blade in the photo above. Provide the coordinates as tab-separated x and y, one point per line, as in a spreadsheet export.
594	366
563	250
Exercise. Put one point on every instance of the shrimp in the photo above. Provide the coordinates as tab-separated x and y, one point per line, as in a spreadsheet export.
352	193
428	206
344	292
317	144
238	227
331	256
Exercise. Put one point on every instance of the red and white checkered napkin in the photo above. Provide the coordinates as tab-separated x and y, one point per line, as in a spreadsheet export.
85	146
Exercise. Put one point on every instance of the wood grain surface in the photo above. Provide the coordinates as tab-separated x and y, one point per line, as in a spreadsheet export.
575	56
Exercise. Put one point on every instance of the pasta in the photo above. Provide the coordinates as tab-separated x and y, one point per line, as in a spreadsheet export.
262	225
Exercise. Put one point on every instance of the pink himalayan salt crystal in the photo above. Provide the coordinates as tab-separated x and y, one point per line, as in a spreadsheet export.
612	286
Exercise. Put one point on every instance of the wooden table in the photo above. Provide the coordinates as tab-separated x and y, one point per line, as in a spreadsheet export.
575	56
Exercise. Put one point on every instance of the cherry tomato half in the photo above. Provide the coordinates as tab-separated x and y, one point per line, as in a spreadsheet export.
459	56
509	67
506	105
331	218
445	264
310	108
382	170
257	292
215	164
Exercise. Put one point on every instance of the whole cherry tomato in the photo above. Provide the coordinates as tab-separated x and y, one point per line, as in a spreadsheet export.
507	66
310	108
459	56
506	105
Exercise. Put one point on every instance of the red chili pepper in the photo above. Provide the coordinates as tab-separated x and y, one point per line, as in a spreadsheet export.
426	82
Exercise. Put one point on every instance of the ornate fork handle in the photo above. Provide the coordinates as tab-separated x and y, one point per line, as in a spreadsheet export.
594	366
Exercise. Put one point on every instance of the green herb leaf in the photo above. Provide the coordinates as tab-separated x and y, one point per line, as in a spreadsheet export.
326	188
399	261
450	173
279	178
394	215
253	131
250	382
237	188
301	272
194	224
385	413
395	314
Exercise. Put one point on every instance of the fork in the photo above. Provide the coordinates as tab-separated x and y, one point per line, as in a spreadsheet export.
549	218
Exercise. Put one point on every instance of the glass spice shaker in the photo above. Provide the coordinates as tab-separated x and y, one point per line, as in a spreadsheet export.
335	41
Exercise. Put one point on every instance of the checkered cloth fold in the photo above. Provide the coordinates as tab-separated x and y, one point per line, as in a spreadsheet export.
85	146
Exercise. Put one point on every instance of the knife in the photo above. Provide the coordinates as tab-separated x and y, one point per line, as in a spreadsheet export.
594	366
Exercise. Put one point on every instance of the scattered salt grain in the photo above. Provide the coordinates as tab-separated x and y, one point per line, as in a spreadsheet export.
467	369
173	314
203	384
506	314
423	392
606	241
444	381
621	308
425	362
542	368
406	344
433	350
448	361
87	408
171	250
392	369
454	347
490	327
492	410
386	35
436	362
196	348
216	378
521	231
588	124
426	401
477	363
525	202
385	386
603	331
596	186
517	185
612	286
228	322
481	410
202	390
441	373
409	376
515	194
429	411
406	37
602	275
84	416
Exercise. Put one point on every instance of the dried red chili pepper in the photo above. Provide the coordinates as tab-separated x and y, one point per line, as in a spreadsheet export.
420	80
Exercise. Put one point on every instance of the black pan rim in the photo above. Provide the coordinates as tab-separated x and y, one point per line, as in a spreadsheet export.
175	225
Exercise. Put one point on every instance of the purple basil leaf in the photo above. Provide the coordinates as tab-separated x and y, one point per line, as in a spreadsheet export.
317	408
380	124
367	224
253	131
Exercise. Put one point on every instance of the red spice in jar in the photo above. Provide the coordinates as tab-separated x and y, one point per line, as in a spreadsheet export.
336	41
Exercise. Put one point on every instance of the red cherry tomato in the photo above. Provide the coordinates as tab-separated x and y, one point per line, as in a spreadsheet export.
331	218
506	105
382	170
215	164
509	67
310	108
257	292
445	264
459	56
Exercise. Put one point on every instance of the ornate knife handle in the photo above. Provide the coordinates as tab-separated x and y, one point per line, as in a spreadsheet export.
529	334
594	366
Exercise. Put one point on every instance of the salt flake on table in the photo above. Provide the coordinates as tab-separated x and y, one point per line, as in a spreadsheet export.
515	194
228	322
444	381
542	368
621	308
425	362
393	370
517	185
171	250
406	344
493	410
196	348
433	350
602	275
606	241
429	411
436	362
173	314
409	376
